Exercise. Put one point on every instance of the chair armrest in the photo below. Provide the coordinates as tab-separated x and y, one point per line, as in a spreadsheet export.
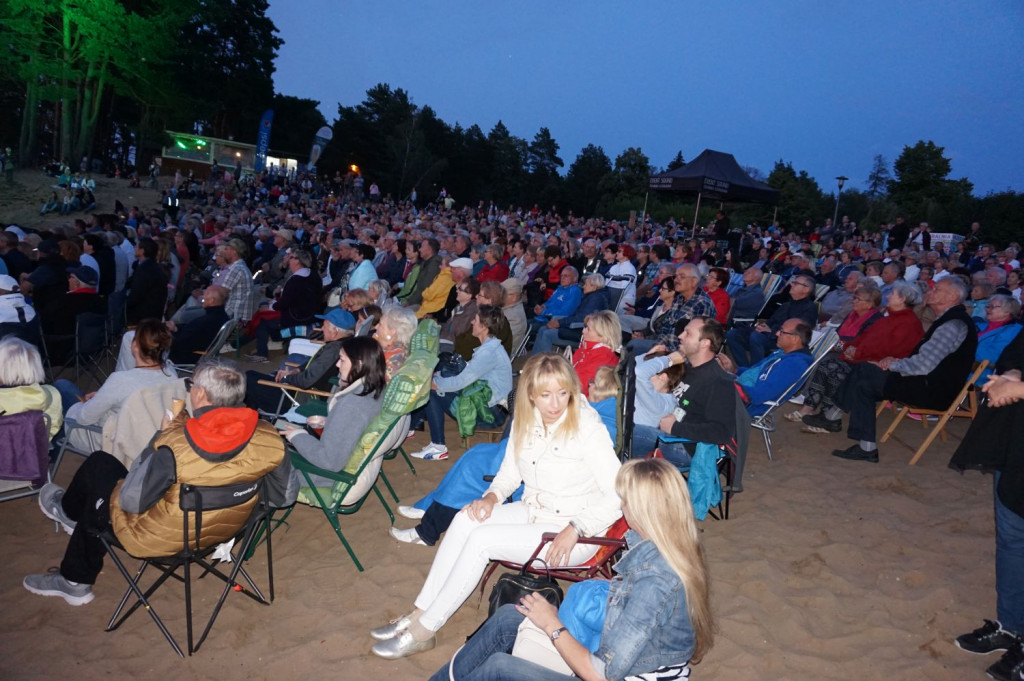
301	464
70	423
593	541
294	388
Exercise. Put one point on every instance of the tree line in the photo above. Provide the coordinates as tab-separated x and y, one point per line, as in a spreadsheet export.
96	78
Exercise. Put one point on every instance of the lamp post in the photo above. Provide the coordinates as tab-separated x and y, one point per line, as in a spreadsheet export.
835	216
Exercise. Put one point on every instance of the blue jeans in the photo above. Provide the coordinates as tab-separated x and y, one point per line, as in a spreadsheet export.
545	340
645	440
485	657
69	393
1009	566
436	408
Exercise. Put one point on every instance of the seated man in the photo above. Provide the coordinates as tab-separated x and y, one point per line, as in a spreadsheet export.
222	444
749	345
16	316
931	377
562	303
768	379
595	299
189	338
315	372
748	300
707	407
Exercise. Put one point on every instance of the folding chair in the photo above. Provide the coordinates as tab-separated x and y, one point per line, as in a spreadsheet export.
194	501
599	565
965	405
350	489
725	466
226	329
24	454
765	422
627	401
89	344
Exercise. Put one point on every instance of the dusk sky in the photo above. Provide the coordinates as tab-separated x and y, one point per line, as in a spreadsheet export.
824	85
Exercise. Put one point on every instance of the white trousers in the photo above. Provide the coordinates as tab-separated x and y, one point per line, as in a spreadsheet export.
468	546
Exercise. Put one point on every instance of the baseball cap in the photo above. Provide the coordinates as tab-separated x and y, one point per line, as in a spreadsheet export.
8	283
84	274
342	319
462	264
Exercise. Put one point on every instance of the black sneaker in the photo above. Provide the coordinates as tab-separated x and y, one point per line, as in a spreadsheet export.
1010	666
818	421
986	639
855	453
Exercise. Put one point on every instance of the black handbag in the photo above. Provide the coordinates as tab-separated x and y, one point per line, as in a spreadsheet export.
512	586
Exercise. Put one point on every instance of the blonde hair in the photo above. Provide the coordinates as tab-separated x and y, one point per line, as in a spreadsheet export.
607	327
659	508
605	384
539	370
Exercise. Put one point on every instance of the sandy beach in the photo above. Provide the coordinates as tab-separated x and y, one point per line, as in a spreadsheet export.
827	569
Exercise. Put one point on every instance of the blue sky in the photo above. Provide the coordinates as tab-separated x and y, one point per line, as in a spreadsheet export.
824	85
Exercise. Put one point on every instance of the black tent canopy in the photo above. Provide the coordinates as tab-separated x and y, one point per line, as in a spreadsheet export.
715	175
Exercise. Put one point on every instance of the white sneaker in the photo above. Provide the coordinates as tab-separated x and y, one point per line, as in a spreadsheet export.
410	512
275	345
412	433
432	452
227	349
410	536
796	399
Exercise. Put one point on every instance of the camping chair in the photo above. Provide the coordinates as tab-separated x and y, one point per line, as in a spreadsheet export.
599	565
627	400
725	467
24	454
213	349
194	502
291	393
350	489
765	422
965	405
89	344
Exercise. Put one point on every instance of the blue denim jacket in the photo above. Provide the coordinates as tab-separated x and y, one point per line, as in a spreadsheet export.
647	625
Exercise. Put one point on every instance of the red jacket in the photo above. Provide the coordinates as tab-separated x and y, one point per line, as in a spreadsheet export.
589	358
894	335
497	272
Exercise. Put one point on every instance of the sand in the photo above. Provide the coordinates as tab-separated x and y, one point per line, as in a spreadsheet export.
827	569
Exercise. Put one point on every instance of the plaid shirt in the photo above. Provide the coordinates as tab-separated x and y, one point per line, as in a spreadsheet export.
237	279
699	305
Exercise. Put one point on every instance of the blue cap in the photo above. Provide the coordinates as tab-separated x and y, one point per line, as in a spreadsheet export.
342	319
85	274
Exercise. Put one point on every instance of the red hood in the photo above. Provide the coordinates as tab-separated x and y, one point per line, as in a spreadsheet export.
223	430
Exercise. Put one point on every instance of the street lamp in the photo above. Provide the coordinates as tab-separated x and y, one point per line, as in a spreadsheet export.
835	216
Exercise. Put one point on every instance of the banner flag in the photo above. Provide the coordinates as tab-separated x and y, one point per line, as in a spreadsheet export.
263	142
323	136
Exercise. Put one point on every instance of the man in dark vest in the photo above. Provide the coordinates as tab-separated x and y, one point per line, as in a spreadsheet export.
930	378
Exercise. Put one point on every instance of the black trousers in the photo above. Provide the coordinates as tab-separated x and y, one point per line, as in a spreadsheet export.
859	395
435	521
87	502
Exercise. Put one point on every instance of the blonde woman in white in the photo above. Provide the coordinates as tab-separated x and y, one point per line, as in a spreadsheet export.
560	450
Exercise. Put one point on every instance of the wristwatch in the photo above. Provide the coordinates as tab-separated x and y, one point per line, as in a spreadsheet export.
556	633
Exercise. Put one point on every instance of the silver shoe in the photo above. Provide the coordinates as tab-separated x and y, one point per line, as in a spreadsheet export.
403	645
391	629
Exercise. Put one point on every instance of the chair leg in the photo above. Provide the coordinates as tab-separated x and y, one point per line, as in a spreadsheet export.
895	422
940	427
333	519
767	443
388	484
143	599
407	459
385	504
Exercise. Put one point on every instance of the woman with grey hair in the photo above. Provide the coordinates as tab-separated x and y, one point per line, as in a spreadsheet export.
393	332
379	290
21	378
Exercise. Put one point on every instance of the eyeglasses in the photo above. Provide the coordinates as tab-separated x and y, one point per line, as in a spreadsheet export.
188	384
800	283
787	333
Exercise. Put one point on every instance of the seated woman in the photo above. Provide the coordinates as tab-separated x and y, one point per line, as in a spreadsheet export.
465	482
999	328
361	374
149	347
656	378
865	312
490	363
714	286
393	332
602	337
895	334
658	616
21	378
566	462
462	316
411	273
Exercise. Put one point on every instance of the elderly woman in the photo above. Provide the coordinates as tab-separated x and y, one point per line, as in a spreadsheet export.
602	337
494	269
864	312
490	363
995	333
895	334
622	274
560	451
595	298
149	348
21	378
462	317
363	274
394	331
491	293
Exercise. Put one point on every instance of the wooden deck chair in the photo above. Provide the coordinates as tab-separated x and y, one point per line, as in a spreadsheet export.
351	488
965	405
599	565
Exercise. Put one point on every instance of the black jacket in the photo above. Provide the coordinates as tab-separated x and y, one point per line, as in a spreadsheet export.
147	296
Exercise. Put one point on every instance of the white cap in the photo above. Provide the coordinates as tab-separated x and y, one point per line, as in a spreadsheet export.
462	264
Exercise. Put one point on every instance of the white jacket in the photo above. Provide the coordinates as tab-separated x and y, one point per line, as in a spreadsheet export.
564	481
9	305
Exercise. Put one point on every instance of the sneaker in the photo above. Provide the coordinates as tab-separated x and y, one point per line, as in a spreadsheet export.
794	416
411	434
825	424
796	399
54	584
855	453
1010	667
410	512
410	536
275	345
50	496
986	639
402	645
432	452
256	359
227	349
391	629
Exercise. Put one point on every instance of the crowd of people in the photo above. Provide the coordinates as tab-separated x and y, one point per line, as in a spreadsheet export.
710	318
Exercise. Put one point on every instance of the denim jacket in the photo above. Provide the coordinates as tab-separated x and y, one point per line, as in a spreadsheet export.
648	624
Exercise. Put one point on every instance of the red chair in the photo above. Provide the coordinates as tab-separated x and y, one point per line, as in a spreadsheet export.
600	564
